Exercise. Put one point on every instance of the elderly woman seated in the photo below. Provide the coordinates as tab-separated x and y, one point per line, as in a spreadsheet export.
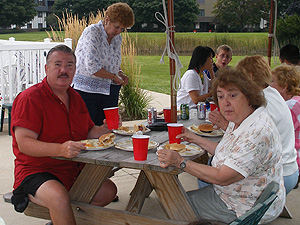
247	158
286	80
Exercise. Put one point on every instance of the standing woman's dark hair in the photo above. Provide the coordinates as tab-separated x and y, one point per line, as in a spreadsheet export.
199	57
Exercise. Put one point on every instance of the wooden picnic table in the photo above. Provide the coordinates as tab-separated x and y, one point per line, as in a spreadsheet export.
99	164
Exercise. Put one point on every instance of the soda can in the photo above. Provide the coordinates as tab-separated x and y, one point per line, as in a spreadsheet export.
152	115
201	110
184	111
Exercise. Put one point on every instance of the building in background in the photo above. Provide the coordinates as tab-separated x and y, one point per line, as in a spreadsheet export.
44	8
204	22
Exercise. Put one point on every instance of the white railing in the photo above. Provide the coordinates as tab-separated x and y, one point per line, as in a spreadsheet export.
22	64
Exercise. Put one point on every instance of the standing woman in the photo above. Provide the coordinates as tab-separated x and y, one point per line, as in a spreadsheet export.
98	76
194	82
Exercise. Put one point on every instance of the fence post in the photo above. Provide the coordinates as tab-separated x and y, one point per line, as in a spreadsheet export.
11	39
68	42
47	40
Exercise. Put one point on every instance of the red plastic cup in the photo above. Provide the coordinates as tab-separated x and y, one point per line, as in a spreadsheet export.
213	106
112	117
167	114
140	147
173	130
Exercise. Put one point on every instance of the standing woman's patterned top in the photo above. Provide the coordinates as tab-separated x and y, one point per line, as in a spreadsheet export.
93	52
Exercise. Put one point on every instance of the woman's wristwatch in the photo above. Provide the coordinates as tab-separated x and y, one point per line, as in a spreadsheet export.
183	164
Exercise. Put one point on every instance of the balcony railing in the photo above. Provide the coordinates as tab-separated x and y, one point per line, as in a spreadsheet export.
22	65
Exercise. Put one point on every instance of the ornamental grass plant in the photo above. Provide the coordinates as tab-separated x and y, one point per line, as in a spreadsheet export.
133	101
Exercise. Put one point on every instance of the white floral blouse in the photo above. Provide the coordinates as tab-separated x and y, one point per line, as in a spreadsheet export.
254	151
93	52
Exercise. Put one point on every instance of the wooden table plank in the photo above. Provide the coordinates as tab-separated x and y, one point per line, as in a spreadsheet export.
172	196
86	214
141	190
89	182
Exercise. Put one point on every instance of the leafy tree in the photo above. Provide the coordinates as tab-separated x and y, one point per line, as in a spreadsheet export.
294	8
185	13
288	29
239	13
16	12
82	8
52	21
282	6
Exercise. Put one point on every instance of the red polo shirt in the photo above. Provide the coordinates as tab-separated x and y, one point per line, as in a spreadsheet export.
38	109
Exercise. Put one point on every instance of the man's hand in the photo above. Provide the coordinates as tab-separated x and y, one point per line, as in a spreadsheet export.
217	119
70	149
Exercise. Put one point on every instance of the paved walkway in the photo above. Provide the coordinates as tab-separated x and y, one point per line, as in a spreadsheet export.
125	180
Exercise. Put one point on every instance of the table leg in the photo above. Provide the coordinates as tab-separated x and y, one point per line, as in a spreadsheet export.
172	196
141	190
89	182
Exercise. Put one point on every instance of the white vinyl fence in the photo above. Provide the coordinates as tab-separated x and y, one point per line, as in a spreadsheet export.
22	65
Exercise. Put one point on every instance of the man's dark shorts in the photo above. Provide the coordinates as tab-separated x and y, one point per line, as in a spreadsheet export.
29	185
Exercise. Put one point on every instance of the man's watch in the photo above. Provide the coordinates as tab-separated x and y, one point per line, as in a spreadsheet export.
183	164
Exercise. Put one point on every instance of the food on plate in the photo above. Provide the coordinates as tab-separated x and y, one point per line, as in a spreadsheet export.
107	139
124	128
176	147
88	144
205	127
139	127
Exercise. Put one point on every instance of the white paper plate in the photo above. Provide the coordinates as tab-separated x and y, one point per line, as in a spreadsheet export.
95	145
190	150
130	132
127	145
214	133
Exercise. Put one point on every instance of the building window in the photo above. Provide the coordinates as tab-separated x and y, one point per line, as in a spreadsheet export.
201	2
29	25
40	14
202	13
41	3
40	25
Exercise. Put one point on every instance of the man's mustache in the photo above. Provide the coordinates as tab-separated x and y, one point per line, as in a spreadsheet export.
63	75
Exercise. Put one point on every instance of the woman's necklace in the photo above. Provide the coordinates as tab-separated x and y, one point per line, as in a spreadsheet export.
200	74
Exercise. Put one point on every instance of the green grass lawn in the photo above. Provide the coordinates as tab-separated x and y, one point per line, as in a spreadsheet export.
28	36
156	76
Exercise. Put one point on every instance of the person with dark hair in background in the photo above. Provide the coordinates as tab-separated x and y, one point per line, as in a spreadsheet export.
98	76
289	54
194	82
48	120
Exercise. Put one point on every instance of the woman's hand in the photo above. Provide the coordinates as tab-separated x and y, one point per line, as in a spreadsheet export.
217	119
118	80
124	77
168	157
187	136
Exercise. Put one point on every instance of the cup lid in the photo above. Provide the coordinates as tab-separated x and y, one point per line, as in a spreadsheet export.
110	108
140	136
175	125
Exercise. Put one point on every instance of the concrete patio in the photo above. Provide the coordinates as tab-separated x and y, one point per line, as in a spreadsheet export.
124	178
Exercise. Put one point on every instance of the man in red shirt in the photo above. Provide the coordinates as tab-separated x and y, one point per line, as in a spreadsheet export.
47	121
